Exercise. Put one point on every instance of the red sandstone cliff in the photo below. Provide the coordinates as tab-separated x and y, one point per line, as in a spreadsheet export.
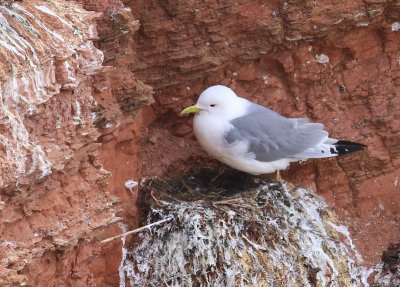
74	130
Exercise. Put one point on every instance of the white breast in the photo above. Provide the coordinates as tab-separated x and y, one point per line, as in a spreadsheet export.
209	132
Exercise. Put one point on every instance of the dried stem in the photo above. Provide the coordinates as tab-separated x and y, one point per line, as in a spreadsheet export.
136	230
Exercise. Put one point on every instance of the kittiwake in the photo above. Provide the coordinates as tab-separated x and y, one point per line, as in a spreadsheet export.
254	139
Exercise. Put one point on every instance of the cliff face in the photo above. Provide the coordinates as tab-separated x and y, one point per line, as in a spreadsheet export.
336	64
50	174
53	186
75	76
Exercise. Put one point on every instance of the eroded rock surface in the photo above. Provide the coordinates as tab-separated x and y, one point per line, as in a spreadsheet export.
53	186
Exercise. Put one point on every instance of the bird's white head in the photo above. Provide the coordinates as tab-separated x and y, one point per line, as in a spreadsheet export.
219	100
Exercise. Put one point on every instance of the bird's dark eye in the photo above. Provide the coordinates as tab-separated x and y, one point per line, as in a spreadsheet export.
213	105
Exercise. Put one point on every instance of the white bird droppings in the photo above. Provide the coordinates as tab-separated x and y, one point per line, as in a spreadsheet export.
322	58
131	184
395	26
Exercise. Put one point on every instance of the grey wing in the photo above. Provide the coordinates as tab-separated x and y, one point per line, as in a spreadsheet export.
271	136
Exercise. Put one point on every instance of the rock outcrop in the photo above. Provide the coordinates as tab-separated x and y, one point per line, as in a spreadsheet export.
53	185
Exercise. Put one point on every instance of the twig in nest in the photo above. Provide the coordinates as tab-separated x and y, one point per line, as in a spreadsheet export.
237	205
227	201
156	200
136	230
220	172
189	189
255	245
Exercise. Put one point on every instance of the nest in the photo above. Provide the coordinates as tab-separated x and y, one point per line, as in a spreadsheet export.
389	275
268	235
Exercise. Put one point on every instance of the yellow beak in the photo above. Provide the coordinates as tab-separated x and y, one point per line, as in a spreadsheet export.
189	110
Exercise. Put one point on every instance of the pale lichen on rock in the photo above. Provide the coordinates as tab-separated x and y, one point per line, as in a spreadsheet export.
39	44
47	59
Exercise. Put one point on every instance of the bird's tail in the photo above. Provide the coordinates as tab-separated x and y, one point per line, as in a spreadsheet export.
331	148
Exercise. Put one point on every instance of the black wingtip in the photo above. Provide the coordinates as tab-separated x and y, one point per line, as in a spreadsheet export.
343	147
342	142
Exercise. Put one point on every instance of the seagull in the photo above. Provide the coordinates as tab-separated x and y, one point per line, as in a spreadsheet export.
254	139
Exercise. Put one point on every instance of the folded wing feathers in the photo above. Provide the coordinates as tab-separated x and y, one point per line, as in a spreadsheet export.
271	136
